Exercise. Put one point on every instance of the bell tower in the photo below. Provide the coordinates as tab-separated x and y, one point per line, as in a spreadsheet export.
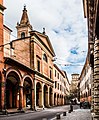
24	27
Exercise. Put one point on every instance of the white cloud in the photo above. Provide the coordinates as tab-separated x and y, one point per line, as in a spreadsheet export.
64	23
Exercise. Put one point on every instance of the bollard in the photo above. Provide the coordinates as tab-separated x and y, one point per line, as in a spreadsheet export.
58	116
71	109
64	113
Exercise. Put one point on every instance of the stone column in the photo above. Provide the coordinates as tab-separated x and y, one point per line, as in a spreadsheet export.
52	97
3	91
41	96
92	90
20	97
3	96
56	100
35	94
32	99
47	97
96	80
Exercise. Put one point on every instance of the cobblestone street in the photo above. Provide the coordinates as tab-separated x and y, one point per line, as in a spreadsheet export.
78	114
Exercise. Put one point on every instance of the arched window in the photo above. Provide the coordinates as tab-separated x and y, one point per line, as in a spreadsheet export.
22	35
44	57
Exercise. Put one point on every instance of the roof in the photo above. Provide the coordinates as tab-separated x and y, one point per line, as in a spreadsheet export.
7	28
45	41
24	19
58	69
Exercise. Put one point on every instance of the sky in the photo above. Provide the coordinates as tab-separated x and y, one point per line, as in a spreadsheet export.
64	23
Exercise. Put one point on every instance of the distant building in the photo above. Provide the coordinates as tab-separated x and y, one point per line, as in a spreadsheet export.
73	86
85	82
74	82
61	86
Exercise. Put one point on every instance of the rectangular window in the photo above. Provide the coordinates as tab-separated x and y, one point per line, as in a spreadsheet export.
55	73
58	86
58	76
51	74
38	65
55	84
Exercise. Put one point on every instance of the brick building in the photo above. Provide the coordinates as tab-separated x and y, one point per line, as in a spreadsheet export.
91	12
74	84
27	72
85	82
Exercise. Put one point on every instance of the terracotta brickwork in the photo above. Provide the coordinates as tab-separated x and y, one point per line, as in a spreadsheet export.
21	51
85	82
27	71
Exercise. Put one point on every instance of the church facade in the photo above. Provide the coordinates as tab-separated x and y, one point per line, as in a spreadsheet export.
27	69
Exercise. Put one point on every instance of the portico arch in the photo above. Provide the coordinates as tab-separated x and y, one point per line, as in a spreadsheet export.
45	95
55	101
27	91
13	80
50	97
38	94
58	99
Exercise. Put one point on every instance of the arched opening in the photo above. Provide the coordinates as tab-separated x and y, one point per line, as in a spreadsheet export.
22	35
38	94
55	99
45	96
50	96
27	92
45	57
62	100
12	90
58	99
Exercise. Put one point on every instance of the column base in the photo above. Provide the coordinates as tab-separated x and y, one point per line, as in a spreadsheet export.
21	110
3	112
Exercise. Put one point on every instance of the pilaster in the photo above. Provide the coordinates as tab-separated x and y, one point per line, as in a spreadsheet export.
96	80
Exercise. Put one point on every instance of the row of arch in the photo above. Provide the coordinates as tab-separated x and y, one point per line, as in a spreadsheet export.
22	92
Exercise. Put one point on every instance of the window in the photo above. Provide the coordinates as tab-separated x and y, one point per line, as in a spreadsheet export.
58	76
38	65
55	73
22	35
58	86
55	84
44	57
50	73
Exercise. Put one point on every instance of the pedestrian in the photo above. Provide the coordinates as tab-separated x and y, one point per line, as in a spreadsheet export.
80	104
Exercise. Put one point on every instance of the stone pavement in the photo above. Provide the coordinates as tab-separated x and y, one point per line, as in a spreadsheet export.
78	114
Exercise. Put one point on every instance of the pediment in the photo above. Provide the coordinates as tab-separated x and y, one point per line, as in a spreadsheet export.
46	41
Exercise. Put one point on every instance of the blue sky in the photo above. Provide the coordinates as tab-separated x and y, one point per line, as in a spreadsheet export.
64	23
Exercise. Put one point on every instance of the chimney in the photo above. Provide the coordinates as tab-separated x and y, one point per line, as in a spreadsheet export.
44	31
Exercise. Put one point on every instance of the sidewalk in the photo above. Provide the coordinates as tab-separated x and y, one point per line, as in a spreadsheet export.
79	114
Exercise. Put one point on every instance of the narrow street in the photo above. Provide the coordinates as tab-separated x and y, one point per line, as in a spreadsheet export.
39	115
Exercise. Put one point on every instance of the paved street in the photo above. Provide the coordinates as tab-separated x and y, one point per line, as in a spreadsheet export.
39	115
78	114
